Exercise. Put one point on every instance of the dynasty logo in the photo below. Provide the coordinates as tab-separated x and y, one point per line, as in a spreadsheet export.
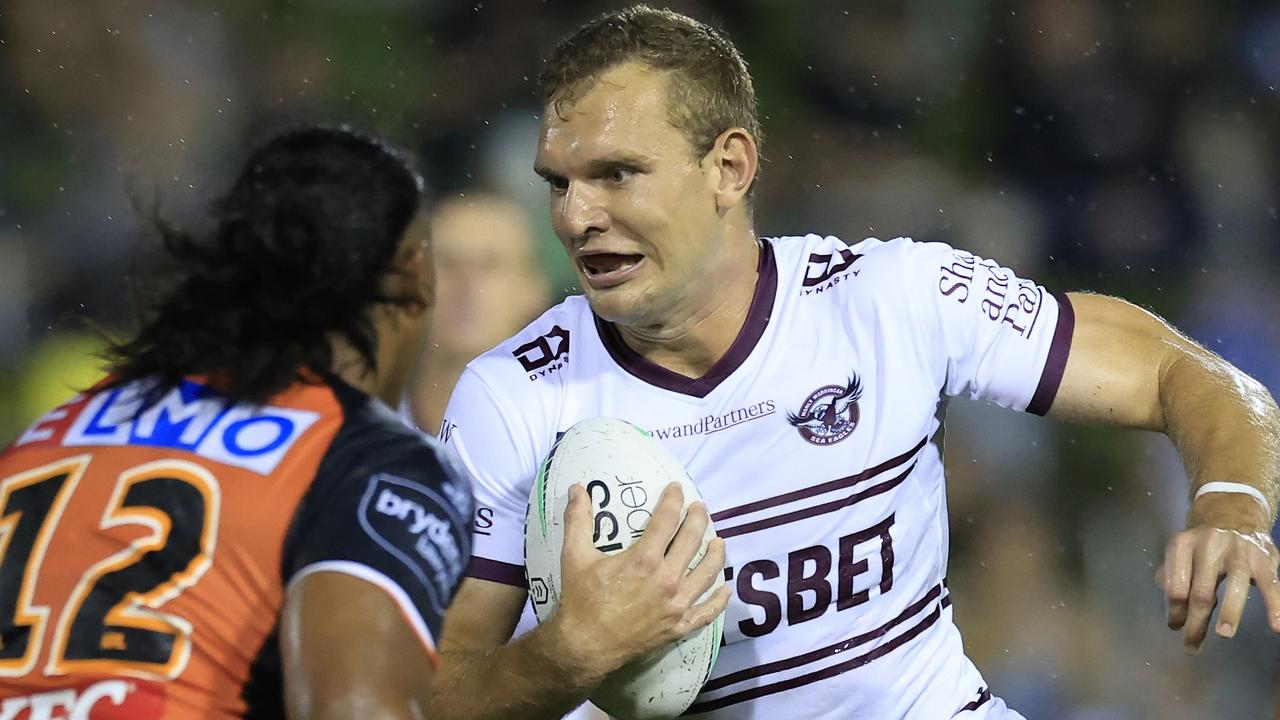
830	413
545	354
825	271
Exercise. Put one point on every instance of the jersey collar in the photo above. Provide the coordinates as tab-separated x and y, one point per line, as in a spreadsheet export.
756	322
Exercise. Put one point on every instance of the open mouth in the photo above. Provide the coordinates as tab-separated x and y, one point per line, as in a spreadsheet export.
603	269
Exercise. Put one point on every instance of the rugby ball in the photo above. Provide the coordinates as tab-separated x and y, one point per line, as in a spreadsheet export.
624	470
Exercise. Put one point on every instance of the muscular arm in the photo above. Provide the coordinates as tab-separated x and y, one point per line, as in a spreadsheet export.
483	678
348	652
1127	368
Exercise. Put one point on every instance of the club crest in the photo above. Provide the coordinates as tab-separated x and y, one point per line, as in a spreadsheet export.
829	414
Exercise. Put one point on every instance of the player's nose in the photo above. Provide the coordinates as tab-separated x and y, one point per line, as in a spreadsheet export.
583	212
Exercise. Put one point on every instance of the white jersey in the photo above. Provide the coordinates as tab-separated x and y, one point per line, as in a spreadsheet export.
815	442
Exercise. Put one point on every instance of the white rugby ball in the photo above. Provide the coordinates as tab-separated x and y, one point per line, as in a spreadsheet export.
624	470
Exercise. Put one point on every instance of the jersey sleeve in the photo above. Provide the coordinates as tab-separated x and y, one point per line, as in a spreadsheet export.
495	446
998	337
394	512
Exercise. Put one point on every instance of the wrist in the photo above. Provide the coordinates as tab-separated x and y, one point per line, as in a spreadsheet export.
1230	511
569	652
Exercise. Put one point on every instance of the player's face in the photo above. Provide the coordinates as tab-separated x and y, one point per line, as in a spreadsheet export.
632	205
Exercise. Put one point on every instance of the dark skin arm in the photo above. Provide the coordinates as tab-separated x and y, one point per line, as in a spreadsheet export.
1128	368
348	652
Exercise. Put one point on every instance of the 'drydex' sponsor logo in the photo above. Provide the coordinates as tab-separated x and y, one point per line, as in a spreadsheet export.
545	354
422	529
830	413
824	270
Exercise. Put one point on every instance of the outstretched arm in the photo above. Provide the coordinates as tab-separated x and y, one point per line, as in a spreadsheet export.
1128	368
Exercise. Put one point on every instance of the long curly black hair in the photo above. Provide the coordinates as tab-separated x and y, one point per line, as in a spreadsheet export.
299	251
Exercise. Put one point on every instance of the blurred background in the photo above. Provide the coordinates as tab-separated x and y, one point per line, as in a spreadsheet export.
1121	147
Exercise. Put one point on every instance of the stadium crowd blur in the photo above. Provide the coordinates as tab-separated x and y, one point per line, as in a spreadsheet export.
1122	147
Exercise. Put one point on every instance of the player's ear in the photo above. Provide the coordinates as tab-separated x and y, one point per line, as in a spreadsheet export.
734	160
412	274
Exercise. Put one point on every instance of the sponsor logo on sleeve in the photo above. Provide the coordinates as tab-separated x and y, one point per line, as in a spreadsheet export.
955	279
830	413
545	354
1002	297
826	270
459	497
421	529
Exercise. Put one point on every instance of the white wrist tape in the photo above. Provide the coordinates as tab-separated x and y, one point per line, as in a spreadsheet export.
1234	487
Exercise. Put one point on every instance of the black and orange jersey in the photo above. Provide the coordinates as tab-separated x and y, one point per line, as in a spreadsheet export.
147	540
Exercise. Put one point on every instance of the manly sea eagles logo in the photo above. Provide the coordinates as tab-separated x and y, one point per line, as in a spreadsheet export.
830	413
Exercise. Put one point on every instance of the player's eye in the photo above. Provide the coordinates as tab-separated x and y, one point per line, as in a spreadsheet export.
558	185
619	175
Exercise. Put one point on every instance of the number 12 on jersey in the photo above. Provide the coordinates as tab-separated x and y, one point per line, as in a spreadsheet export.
110	623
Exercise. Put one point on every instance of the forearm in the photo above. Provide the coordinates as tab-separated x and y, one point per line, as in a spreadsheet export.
1226	427
527	678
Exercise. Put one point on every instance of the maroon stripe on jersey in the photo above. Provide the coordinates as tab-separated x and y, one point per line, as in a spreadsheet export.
750	334
1056	363
814	655
984	694
825	487
496	571
816	510
817	675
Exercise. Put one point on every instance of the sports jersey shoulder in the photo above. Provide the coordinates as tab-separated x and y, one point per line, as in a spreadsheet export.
390	505
972	325
541	353
818	267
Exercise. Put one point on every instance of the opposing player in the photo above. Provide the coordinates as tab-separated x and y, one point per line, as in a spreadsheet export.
798	379
234	523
